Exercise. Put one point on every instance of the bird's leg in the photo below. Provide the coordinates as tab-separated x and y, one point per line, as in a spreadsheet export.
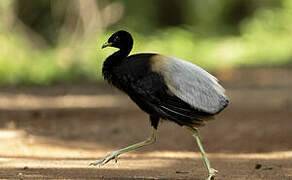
211	172
115	154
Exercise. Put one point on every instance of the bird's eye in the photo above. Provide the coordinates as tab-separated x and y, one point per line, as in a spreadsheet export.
117	38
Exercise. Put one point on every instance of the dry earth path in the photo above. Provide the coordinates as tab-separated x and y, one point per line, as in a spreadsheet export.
55	132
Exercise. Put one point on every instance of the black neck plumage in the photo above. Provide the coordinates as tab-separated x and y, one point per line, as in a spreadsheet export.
112	61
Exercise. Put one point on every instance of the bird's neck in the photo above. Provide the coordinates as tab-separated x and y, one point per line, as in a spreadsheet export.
112	61
115	59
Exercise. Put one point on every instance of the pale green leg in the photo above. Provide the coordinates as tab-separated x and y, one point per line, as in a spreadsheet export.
211	172
115	154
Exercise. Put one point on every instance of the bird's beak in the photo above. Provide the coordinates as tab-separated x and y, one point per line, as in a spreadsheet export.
106	44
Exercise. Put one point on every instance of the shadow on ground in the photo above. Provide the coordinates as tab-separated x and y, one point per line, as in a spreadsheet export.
57	131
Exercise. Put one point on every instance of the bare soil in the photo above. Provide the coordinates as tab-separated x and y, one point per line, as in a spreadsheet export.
55	132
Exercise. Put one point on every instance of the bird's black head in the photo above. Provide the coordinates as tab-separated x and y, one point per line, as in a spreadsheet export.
120	39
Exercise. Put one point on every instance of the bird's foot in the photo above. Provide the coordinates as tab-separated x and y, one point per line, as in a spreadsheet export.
113	155
212	173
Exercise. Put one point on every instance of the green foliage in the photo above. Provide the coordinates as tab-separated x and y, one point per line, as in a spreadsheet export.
263	40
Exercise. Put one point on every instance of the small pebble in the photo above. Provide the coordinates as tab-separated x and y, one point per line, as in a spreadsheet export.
258	166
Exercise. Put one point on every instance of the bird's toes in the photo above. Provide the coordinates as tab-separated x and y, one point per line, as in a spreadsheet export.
211	177
116	158
213	171
105	160
99	162
212	174
95	163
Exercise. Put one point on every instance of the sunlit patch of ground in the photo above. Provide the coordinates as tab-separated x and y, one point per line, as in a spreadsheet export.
26	156
31	102
32	157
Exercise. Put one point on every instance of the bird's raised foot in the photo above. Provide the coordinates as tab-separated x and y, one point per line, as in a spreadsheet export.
212	173
106	159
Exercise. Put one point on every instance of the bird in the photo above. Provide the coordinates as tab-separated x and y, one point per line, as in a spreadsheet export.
166	88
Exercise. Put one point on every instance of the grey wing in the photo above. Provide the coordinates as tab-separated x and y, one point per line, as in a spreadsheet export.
193	85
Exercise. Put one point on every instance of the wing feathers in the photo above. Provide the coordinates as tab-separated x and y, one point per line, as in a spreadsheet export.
191	83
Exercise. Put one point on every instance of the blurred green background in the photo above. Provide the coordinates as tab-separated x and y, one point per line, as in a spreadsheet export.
44	42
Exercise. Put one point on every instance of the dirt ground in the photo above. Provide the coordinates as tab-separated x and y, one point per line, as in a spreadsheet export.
55	132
